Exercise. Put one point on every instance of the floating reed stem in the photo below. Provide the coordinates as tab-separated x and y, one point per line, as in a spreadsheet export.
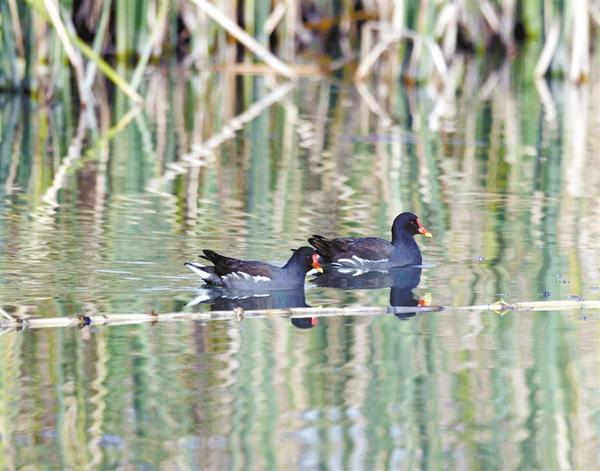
239	314
503	306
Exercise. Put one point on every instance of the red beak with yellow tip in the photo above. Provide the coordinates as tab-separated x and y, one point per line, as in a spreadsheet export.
316	264
422	230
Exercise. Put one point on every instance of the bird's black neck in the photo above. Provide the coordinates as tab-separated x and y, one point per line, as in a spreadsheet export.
294	270
404	241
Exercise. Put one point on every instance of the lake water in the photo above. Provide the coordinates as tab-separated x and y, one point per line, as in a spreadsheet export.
98	212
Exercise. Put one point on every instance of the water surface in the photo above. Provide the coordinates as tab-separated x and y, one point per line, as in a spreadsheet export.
98	213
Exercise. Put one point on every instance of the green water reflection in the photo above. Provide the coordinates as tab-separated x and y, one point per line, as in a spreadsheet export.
99	211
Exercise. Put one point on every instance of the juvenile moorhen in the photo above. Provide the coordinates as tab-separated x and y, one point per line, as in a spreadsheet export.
373	253
238	274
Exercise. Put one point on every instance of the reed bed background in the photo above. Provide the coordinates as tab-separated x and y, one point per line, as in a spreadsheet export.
502	166
410	40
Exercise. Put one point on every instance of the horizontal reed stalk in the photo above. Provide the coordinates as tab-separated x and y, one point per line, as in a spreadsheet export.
500	307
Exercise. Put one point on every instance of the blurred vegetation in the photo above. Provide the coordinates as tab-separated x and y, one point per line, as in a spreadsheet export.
99	208
413	40
507	182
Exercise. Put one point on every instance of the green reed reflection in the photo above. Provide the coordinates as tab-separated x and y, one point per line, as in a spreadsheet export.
507	186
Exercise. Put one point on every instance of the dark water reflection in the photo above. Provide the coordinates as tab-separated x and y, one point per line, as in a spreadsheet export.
401	281
101	220
228	300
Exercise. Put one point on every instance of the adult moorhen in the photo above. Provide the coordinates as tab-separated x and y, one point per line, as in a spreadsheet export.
233	273
373	253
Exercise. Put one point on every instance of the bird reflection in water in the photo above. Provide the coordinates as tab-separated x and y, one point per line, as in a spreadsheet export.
223	300
400	280
404	280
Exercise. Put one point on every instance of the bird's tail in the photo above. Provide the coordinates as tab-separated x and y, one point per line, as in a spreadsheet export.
206	273
322	245
214	257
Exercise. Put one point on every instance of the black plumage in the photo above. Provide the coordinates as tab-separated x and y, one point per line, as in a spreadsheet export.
234	273
374	253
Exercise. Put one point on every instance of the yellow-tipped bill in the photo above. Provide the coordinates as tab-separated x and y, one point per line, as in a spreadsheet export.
424	231
316	264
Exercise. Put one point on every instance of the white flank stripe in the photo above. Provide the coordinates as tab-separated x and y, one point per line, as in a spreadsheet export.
248	296
231	277
261	278
357	262
245	277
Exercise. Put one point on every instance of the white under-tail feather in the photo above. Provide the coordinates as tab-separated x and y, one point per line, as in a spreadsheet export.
199	270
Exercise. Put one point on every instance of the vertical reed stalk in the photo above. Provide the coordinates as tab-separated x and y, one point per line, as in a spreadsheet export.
243	37
580	61
7	41
150	43
98	41
111	73
52	8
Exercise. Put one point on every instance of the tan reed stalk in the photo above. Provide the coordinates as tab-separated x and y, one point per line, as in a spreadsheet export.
580	60
499	307
238	33
75	59
16	23
548	50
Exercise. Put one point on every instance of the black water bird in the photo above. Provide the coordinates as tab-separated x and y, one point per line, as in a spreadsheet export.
374	253
233	273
